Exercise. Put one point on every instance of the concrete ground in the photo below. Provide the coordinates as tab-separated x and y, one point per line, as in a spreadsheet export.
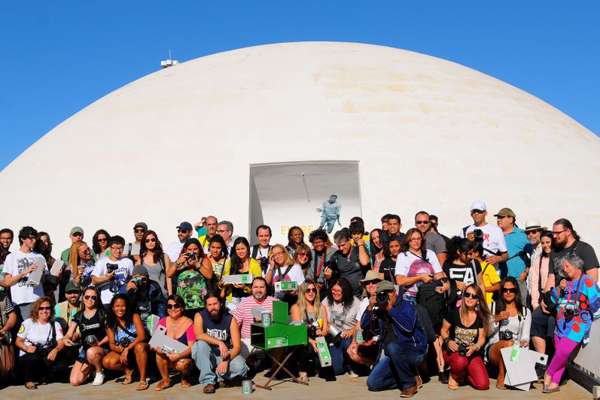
344	389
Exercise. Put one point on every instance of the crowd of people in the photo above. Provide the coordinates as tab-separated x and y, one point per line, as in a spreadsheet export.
401	308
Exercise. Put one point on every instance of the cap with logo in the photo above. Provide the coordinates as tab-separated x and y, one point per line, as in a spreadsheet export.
478	205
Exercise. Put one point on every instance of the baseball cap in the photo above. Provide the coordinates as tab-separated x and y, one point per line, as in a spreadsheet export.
478	205
385	286
371	276
72	287
184	226
140	270
533	225
141	225
505	212
76	229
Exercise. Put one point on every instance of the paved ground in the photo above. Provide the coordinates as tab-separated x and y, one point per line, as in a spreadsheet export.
344	389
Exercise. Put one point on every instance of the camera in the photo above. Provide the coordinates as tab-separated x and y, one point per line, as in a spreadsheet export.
571	310
124	342
264	263
191	255
463	349
335	333
506	335
381	304
313	326
111	267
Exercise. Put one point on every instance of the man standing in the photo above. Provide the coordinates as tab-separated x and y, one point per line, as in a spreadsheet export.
349	261
17	267
217	351
211	230
184	232
112	272
261	250
243	312
321	254
330	213
518	262
6	239
433	240
76	235
533	230
494	244
567	242
225	229
133	249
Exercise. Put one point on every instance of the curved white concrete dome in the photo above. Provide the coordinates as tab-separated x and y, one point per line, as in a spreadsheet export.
427	134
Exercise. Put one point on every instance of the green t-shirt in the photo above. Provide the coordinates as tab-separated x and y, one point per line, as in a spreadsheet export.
191	286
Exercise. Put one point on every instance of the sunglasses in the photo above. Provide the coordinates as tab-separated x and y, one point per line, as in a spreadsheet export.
90	298
75	292
477	212
509	290
139	230
150	240
532	232
421	222
469	295
173	306
371	282
183	231
502	216
44	308
311	290
102	239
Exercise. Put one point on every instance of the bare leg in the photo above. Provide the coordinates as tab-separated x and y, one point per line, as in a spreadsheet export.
94	357
79	373
539	344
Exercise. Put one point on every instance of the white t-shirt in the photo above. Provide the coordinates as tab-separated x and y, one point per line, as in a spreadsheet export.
295	274
18	262
493	238
119	283
408	264
364	303
38	334
173	251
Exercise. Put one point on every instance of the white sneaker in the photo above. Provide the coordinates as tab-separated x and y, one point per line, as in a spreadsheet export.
98	379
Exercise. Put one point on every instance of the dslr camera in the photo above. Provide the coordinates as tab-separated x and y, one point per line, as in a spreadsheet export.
380	307
506	335
191	255
111	267
571	309
463	349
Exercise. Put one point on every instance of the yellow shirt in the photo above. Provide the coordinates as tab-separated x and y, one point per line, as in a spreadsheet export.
254	271
490	278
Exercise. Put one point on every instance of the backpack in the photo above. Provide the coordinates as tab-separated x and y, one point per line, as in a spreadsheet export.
432	301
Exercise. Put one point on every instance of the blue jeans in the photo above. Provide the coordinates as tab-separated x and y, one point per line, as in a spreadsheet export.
207	358
396	369
339	358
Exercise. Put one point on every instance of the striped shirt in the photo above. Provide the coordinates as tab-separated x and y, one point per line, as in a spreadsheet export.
243	312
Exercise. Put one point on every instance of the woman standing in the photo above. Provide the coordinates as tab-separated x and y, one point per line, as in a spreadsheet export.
295	239
577	300
239	263
542	324
100	243
216	257
81	264
126	340
191	276
387	266
283	269
40	340
91	323
464	332
460	269
153	259
376	249
302	258
180	328
308	309
512	323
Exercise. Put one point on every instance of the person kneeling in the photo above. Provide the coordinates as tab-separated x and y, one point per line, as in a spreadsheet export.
393	323
464	332
180	328
217	351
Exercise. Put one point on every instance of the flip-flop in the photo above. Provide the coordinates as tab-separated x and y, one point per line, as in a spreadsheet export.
547	390
142	385
162	385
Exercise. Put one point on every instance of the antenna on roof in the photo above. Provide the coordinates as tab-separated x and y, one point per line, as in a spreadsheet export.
168	62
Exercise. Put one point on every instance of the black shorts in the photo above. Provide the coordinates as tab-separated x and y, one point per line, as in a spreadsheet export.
542	325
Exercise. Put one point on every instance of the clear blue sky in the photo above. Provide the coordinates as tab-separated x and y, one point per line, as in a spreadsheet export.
59	56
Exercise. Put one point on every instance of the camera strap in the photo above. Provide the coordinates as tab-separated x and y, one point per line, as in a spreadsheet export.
127	331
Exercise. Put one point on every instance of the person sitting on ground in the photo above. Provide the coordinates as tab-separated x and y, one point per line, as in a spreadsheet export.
361	352
8	321
217	353
180	328
512	323
577	300
88	326
127	341
393	324
464	334
309	309
40	340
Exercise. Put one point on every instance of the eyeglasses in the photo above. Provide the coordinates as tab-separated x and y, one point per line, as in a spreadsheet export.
370	282
558	232
75	292
477	211
44	308
311	290
102	239
150	240
90	298
277	254
509	290
173	306
470	295
421	222
78	234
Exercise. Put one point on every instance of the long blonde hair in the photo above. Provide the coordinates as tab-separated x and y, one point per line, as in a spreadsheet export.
289	261
74	260
301	302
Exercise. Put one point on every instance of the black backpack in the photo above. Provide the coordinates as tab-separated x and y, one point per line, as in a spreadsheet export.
432	301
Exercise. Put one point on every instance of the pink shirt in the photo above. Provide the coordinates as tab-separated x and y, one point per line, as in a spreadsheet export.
243	312
189	337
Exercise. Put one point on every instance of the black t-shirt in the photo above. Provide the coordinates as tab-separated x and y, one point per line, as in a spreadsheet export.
348	267
580	249
220	329
388	269
463	334
96	325
462	273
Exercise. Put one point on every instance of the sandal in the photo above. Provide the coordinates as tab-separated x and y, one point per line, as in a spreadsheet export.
548	389
127	379
30	385
162	385
142	385
452	384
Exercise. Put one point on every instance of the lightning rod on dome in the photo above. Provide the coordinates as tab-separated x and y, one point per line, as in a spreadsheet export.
170	62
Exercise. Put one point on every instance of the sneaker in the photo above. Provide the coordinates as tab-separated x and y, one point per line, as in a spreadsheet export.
352	374
98	379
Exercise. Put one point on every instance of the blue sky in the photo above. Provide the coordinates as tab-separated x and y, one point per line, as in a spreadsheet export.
59	56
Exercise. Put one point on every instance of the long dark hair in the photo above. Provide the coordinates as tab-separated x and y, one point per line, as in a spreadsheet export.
236	262
406	241
96	244
112	319
567	225
549	235
219	239
41	248
158	252
458	245
97	303
291	244
347	292
501	305
188	243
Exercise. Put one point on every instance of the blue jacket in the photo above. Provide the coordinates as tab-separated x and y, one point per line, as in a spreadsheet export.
407	328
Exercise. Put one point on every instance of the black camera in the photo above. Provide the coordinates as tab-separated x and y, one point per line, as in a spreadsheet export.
191	256
111	267
382	300
571	310
124	342
463	349
264	263
506	335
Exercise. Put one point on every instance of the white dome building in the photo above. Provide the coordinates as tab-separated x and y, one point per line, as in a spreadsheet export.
266	133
